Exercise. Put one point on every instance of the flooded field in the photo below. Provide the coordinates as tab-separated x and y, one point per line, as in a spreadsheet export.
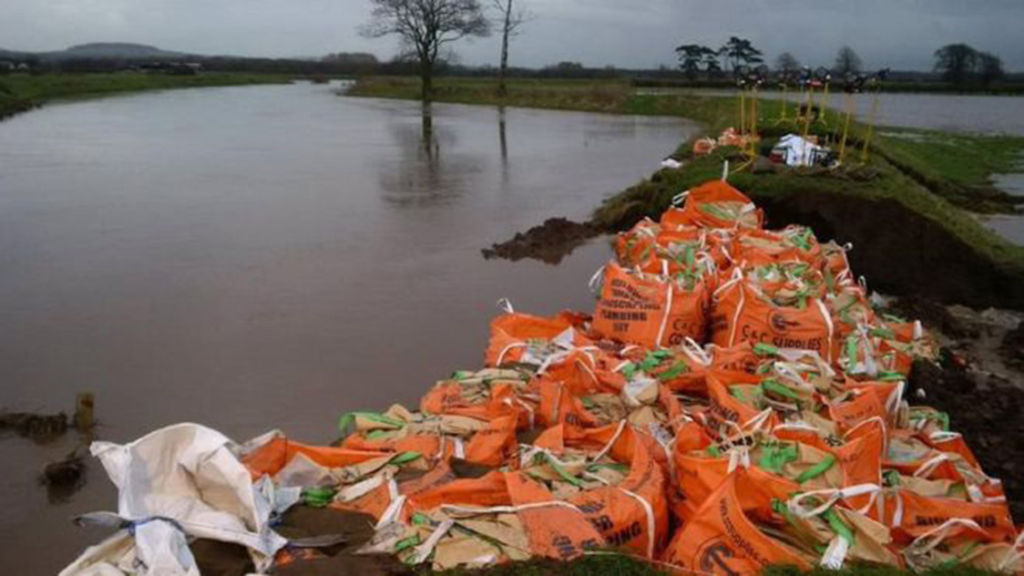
948	112
252	258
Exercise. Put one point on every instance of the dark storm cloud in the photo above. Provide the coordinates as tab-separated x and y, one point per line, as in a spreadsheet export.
897	33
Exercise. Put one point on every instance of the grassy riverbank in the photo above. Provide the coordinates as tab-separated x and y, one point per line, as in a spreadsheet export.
21	92
907	207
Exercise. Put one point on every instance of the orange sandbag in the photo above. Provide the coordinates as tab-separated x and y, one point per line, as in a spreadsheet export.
634	513
380	499
714	204
727	414
697	477
837	265
512	335
274	455
649	310
762	247
637	244
681	369
722	537
446	398
741	314
555	529
866	400
495	445
912	515
430	445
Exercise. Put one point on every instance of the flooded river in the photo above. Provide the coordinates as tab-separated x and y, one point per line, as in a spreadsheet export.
262	257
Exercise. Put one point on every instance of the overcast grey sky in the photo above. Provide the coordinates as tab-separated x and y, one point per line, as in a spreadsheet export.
634	33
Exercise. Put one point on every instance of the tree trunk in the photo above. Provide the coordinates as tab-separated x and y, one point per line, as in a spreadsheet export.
502	88
427	81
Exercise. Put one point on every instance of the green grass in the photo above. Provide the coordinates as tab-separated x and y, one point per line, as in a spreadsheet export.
20	92
615	565
597	565
653	196
876	571
966	159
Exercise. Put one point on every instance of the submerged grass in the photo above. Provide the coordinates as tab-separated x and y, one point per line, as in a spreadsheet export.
21	92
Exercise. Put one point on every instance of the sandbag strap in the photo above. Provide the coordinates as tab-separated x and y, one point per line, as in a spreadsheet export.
651	522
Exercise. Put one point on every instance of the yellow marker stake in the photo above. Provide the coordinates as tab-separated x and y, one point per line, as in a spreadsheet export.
871	127
807	111
753	121
743	110
823	107
848	110
785	104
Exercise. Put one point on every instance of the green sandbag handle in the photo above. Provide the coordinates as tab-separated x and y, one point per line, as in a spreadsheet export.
773	386
776	456
348	418
838	526
318	497
817	470
674	371
561	472
404	458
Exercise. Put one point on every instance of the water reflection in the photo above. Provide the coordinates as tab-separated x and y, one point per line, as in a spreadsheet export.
429	168
503	143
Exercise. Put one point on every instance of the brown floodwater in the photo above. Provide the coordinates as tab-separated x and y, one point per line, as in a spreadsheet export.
268	257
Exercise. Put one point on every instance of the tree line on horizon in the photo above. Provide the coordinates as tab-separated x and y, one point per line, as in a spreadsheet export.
427	28
959	64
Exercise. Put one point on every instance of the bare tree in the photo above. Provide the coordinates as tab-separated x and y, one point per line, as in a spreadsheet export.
426	26
847	62
510	20
787	63
990	68
956	62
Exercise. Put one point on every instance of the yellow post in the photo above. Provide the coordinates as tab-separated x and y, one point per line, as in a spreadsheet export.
823	107
847	99
871	127
807	111
753	120
785	103
743	109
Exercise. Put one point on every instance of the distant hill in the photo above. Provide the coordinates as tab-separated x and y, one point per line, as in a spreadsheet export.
112	50
95	51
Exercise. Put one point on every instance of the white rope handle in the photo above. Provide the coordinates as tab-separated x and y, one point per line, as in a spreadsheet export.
596	280
830	497
679	198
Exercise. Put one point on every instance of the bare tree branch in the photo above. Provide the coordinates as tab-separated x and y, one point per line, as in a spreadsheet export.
426	26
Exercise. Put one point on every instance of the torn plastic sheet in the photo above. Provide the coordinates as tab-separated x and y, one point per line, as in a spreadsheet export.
177	482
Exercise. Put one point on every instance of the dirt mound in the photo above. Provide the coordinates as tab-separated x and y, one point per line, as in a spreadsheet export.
986	409
900	251
553	240
932	314
1012	348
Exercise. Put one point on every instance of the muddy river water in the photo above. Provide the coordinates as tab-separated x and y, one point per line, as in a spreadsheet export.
268	257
